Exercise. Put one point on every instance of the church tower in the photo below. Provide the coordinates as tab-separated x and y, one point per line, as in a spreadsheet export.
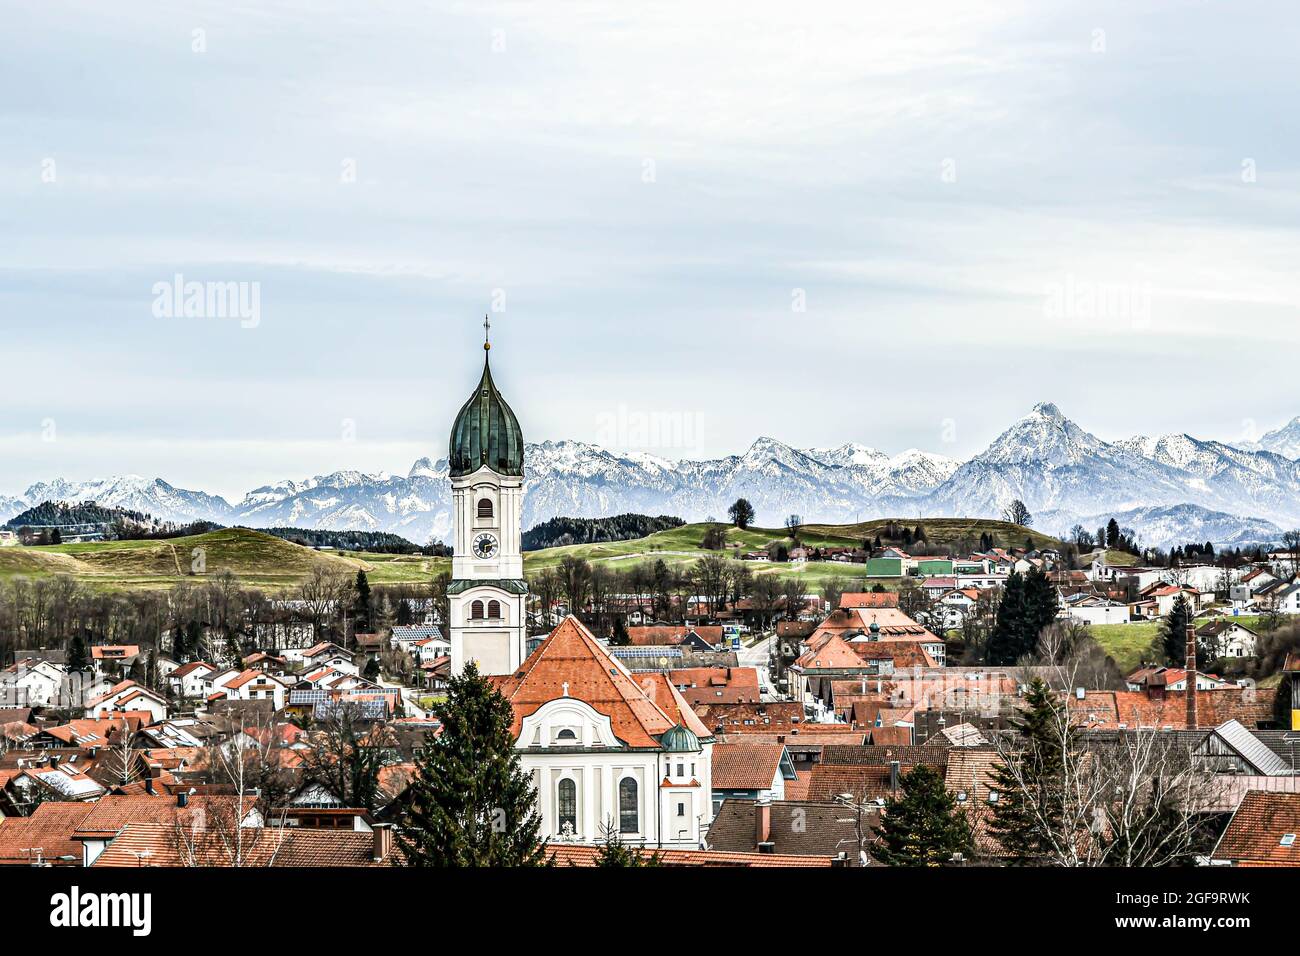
487	591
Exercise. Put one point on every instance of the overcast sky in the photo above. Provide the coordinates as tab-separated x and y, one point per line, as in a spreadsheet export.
695	223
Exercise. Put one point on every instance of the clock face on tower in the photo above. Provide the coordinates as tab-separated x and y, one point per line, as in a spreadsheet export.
486	545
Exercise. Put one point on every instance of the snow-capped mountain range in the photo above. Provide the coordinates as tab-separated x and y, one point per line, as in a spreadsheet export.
1285	441
1172	489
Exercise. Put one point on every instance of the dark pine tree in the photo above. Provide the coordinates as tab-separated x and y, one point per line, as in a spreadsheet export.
1029	604
1042	602
1005	641
1173	633
471	804
924	827
77	661
361	611
404	612
1028	780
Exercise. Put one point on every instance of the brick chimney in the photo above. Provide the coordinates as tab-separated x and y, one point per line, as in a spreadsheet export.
762	824
1191	677
383	838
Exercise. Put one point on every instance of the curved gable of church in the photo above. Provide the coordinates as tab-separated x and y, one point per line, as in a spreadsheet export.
568	722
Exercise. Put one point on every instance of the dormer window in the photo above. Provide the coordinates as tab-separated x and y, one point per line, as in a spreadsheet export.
566	738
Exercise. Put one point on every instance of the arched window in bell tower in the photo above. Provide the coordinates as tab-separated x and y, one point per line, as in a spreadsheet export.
476	611
485	507
494	610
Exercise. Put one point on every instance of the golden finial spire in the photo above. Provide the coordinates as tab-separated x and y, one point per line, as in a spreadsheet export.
487	330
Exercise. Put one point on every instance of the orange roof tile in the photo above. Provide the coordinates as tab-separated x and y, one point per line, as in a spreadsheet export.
571	660
746	766
50	828
152	844
1257	830
852	600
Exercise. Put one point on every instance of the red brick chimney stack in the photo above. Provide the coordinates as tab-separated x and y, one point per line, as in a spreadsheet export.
762	825
1191	677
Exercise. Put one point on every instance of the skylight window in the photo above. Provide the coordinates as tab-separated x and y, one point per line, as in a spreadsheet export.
1288	839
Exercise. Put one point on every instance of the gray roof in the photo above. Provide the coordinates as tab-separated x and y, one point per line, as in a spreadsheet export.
797	828
1253	750
1284	743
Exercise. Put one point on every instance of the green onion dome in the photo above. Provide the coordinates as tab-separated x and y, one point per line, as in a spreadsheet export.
678	739
486	433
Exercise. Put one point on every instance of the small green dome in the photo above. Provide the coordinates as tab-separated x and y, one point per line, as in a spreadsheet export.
678	739
486	433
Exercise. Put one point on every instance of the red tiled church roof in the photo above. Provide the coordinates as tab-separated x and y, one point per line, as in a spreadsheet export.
571	662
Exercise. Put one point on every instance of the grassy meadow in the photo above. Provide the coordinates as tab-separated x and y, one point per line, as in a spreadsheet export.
264	561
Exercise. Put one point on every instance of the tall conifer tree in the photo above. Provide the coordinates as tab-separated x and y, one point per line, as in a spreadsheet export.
1029	778
1173	633
924	827
471	804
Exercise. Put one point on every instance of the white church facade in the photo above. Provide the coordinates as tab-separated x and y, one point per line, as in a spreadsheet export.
608	750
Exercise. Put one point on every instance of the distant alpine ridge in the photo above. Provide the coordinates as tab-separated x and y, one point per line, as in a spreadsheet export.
1171	489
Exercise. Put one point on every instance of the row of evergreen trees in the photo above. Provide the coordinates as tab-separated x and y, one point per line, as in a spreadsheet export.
1029	604
559	532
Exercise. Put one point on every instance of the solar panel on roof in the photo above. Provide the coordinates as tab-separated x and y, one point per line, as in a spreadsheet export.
646	652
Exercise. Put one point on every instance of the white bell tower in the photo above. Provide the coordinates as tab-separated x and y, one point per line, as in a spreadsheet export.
487	591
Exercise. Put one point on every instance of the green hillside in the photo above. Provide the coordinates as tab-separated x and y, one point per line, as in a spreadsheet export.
942	531
256	559
269	562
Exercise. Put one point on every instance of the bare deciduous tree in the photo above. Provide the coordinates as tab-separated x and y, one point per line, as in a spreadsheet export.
1135	797
1017	513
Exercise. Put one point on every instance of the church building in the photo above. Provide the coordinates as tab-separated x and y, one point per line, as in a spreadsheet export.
609	749
606	748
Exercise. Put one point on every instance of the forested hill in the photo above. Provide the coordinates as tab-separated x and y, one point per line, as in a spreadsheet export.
374	542
61	514
558	532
